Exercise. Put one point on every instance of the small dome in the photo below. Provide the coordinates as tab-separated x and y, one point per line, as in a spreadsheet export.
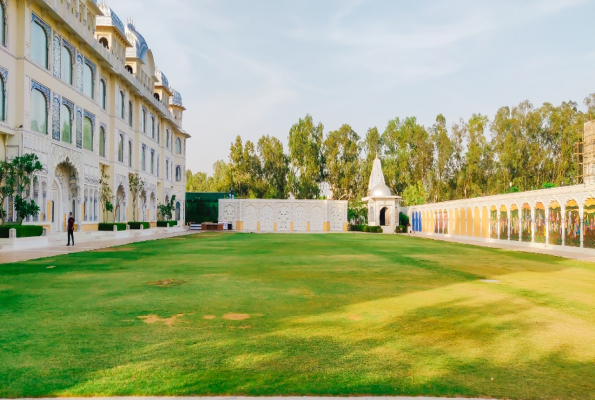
176	99
140	47
380	190
161	78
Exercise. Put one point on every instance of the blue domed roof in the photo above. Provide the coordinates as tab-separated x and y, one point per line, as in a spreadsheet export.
139	44
176	99
161	78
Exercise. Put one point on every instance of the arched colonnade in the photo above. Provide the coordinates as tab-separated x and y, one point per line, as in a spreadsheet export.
554	220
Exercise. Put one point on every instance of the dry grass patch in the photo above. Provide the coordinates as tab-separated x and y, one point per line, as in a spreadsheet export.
153	319
236	317
167	283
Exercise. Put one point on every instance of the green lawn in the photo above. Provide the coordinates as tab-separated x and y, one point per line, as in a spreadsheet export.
214	314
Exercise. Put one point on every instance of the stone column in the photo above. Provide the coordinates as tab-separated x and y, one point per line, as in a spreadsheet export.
547	225
582	222
563	222
533	224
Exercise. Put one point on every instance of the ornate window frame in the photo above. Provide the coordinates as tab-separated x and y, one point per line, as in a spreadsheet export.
46	92
48	34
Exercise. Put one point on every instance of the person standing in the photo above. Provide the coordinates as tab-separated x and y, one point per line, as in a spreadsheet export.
70	229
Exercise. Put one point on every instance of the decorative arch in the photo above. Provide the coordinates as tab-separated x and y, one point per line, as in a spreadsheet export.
555	223
589	223
526	223
572	224
515	222
540	222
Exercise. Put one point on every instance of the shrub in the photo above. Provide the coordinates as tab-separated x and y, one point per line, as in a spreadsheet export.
403	219
356	228
401	229
166	224
23	231
109	227
375	229
137	225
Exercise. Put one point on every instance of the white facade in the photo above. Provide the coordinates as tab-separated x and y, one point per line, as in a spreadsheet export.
383	207
284	215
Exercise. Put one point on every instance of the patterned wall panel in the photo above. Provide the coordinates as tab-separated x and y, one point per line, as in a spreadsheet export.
79	127
57	54
56	104
79	72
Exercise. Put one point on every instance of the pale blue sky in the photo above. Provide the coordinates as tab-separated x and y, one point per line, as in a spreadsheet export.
254	67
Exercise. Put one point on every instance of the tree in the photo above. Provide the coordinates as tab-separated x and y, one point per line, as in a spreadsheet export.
442	171
245	169
408	153
274	167
306	160
166	210
136	185
357	212
105	195
21	177
415	195
6	188
341	150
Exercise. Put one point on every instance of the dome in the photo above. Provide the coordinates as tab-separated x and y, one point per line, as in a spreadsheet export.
109	18
380	190
139	47
161	78
176	99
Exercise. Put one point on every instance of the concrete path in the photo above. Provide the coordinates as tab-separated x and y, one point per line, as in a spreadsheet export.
550	251
263	398
56	248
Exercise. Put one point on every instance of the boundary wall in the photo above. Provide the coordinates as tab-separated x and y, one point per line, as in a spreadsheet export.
561	217
249	215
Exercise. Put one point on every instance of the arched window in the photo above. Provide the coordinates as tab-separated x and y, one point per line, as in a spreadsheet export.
103	93
178	146
121	105
130	154
88	81
128	68
156	95
66	124
102	142
143	122
39	44
2	25
167	138
152	162
104	42
130	113
166	169
39	112
152	127
178	174
2	97
121	148
87	134
143	158
66	65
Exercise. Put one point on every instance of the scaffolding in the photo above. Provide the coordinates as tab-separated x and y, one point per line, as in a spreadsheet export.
585	155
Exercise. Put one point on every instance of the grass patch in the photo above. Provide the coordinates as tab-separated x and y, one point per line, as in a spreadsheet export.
247	314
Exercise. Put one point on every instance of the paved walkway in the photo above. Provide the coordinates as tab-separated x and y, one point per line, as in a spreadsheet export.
549	251
57	250
263	398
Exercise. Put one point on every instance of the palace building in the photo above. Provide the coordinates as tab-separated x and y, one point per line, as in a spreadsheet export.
81	89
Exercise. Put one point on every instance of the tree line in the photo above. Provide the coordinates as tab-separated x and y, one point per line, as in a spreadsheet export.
520	148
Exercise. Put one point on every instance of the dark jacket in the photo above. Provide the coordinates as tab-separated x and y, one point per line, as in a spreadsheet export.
70	224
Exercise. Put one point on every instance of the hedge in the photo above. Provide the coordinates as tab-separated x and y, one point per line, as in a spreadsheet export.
365	228
23	231
137	225
109	227
166	224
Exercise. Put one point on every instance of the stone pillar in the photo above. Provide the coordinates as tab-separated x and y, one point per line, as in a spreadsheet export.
509	218
563	222
79	213
582	222
533	224
547	225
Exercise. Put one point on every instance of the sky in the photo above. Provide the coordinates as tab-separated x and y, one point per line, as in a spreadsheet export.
255	67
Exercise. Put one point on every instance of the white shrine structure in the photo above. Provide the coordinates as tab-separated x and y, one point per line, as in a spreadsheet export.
383	207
